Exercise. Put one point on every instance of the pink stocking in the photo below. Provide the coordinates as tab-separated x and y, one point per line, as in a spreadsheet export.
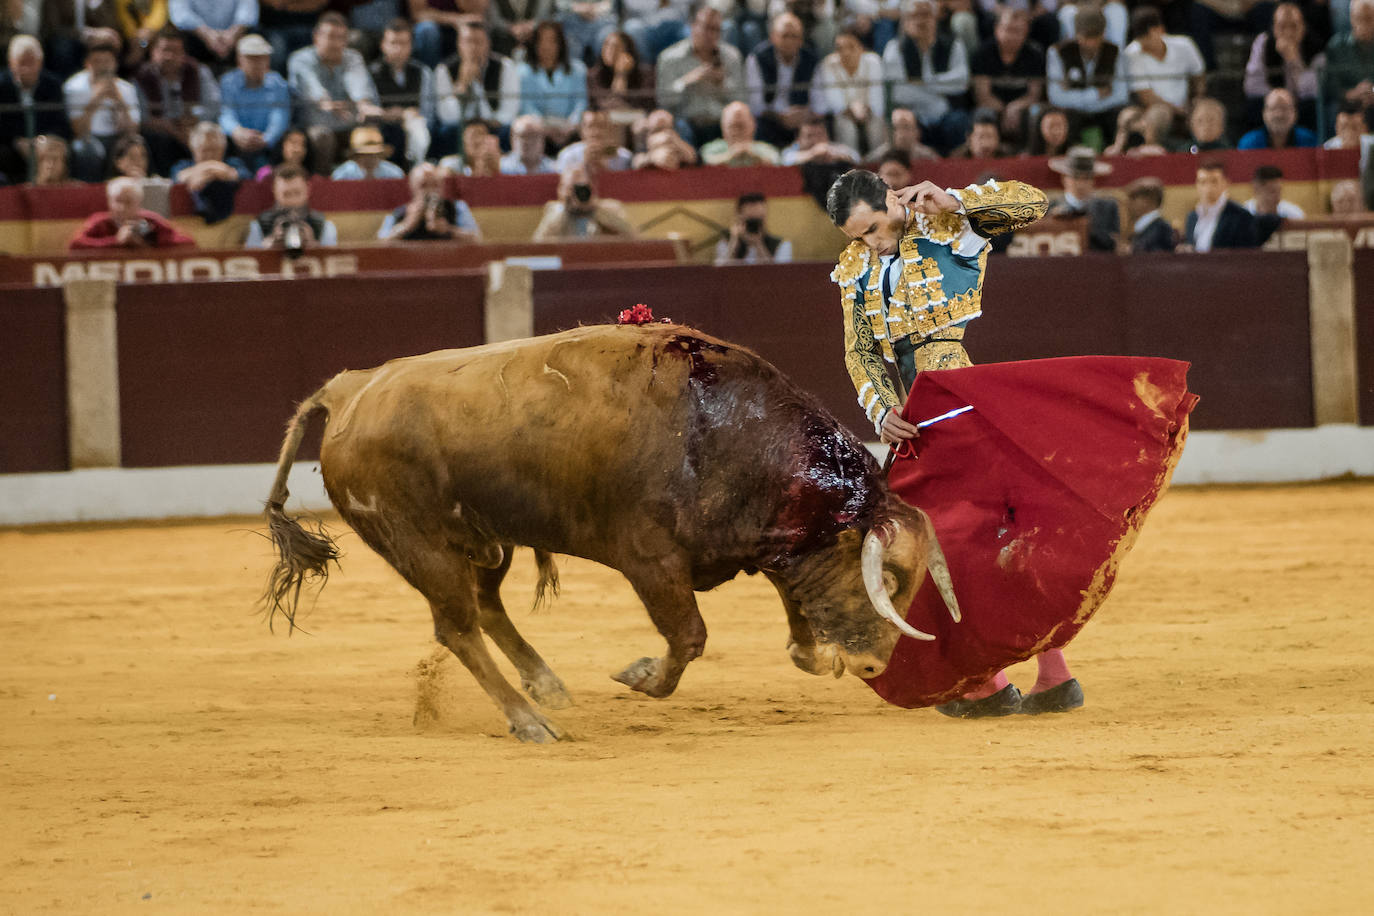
1054	670
996	683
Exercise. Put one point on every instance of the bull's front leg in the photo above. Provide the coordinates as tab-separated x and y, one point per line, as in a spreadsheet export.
673	608
801	639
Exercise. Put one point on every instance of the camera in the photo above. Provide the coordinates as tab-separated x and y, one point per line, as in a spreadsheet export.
293	239
583	192
753	225
146	231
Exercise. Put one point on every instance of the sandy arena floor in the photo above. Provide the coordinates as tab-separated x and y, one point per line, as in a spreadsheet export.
162	751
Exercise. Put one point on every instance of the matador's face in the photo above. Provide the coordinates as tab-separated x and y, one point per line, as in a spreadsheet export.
880	230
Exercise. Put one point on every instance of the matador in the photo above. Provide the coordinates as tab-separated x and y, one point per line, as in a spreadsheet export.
910	281
913	276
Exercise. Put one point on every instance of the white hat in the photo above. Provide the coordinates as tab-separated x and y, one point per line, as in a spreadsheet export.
253	44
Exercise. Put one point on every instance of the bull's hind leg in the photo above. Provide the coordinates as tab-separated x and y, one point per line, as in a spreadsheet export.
450	583
466	643
673	608
536	678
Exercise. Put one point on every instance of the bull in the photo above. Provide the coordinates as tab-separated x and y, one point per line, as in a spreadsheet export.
668	455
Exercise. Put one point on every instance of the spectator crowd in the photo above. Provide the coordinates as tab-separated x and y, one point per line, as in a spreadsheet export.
212	93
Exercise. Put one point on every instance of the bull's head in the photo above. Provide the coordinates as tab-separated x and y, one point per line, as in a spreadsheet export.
849	595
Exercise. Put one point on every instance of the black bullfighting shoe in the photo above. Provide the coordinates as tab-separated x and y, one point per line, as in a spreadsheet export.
1068	695
1004	702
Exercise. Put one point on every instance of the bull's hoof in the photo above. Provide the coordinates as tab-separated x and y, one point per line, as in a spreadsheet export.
535	729
646	676
548	691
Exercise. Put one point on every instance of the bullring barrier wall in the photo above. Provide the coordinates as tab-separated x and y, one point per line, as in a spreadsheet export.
169	398
206	373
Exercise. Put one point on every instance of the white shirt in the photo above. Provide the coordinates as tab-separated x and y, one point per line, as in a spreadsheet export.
1206	225
455	106
512	164
576	154
928	97
77	93
1142	223
782	256
790	154
1086	99
1286	209
1168	78
838	90
329	236
753	84
651	12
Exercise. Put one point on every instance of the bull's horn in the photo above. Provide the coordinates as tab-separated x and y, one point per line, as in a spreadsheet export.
872	563
939	570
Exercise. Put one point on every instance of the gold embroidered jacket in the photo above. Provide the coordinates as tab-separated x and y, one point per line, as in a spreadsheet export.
943	259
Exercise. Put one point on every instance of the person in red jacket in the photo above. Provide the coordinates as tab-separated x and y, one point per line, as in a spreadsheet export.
126	224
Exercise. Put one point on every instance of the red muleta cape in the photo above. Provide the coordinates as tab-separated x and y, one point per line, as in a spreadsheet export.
1036	494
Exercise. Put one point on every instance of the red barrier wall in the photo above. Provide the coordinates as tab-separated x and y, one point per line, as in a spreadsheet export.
33	381
1247	340
1364	331
1241	320
209	373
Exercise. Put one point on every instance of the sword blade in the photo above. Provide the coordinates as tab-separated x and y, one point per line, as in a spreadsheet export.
944	416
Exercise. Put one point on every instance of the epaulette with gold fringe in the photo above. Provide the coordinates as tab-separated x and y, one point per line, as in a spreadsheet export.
853	264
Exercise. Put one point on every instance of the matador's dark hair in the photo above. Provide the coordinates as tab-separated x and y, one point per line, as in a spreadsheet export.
855	186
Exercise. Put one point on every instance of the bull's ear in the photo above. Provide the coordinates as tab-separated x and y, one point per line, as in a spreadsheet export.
891	582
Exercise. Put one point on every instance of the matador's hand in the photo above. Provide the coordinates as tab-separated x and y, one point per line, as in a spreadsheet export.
895	429
928	198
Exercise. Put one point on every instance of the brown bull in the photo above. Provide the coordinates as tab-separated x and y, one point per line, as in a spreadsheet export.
670	456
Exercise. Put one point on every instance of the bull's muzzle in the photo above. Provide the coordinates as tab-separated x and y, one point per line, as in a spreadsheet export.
830	659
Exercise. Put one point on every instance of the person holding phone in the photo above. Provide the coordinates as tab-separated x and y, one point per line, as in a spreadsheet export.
697	77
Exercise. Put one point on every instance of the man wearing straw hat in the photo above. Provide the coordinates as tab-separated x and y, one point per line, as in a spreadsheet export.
1080	168
367	157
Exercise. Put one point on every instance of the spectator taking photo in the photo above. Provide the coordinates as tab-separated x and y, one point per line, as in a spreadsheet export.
748	242
290	224
126	224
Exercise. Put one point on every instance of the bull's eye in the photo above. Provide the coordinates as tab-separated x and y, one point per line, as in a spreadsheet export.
890	582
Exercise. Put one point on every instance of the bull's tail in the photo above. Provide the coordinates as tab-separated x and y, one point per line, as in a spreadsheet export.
548	578
939	569
304	552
